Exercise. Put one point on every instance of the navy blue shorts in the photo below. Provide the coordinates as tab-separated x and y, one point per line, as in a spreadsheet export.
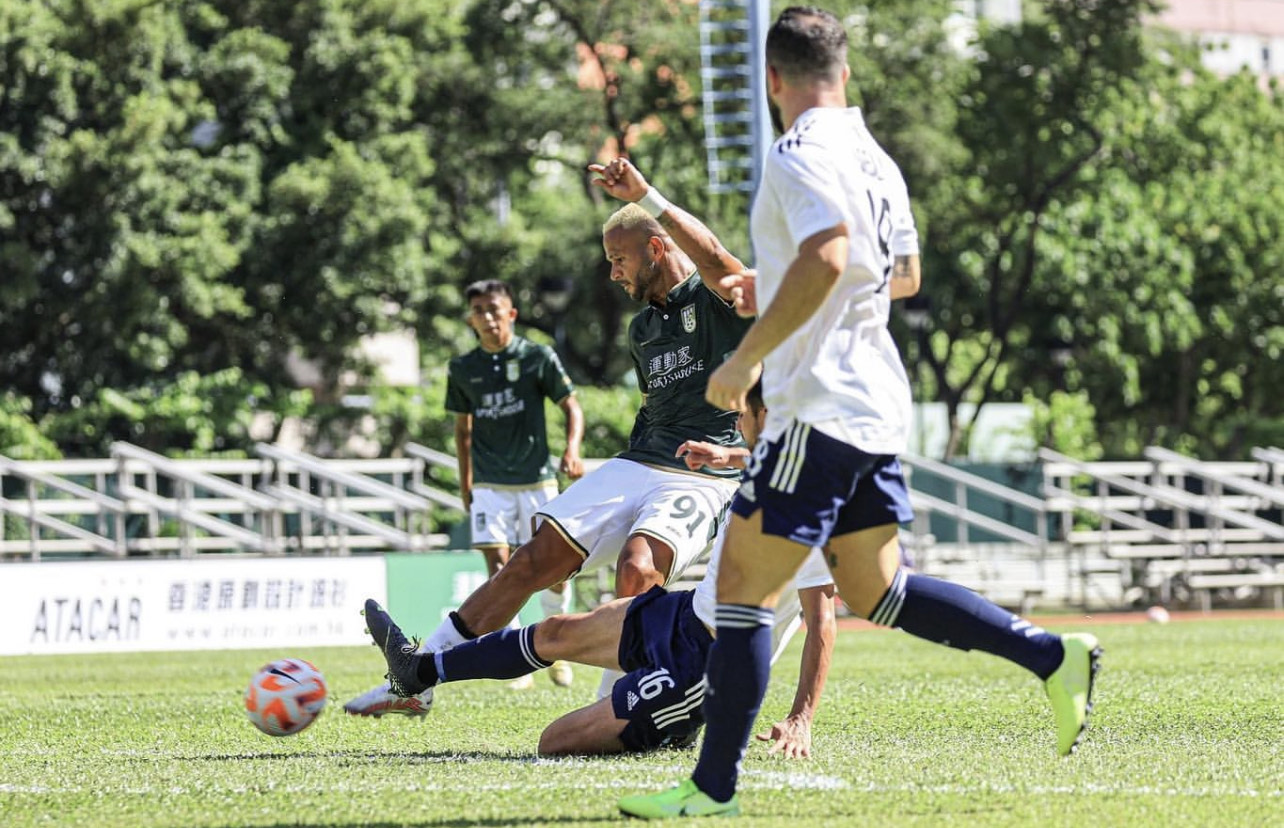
663	651
811	487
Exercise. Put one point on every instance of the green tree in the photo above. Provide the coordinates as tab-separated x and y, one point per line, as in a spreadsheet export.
1175	257
1027	119
190	187
20	437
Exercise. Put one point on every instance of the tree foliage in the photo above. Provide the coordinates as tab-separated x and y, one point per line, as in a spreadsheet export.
192	192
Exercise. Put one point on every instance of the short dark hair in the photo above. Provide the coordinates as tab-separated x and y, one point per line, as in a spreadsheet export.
753	397
485	287
807	42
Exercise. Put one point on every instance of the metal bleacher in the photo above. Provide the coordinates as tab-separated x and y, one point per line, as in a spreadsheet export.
1171	528
1165	528
138	502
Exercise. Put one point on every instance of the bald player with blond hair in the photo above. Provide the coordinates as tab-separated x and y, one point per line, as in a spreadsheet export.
644	511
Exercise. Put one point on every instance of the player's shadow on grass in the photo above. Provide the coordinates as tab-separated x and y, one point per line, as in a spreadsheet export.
365	757
461	823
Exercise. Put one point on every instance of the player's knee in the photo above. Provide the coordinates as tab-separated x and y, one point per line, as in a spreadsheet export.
553	632
554	741
634	576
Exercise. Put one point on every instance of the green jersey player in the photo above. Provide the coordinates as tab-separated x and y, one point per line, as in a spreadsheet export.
496	392
643	511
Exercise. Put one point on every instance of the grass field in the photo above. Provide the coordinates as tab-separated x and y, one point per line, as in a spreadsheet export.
1189	731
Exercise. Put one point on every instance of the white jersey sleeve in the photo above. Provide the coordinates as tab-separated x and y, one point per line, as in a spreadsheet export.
809	200
904	233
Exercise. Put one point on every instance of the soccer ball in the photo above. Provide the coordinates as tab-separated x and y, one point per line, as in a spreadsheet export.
285	696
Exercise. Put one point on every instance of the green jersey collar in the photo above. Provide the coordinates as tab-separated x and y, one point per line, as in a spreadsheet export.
680	291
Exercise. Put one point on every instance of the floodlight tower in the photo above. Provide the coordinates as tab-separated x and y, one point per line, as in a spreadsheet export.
737	126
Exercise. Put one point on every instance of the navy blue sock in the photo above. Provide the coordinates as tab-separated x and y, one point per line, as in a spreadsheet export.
739	666
504	654
957	617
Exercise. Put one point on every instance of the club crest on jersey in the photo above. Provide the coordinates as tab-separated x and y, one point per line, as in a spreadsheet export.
514	370
688	319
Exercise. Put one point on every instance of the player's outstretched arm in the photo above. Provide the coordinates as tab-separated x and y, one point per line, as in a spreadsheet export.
807	282
622	180
464	455
698	454
791	737
572	465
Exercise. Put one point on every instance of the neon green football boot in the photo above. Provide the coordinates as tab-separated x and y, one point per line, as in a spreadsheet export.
684	800
1070	688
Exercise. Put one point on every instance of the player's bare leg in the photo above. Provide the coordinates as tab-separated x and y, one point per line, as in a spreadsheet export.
544	560
864	565
495	557
753	570
755	566
591	638
588	730
644	562
556	600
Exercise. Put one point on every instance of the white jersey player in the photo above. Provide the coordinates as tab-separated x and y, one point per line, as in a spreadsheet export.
840	370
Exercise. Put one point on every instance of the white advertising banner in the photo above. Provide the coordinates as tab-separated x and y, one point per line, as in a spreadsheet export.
203	604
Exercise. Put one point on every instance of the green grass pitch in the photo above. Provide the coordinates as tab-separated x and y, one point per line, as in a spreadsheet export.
1189	730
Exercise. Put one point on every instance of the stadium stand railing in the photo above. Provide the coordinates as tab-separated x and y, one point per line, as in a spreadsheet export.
141	503
1167	527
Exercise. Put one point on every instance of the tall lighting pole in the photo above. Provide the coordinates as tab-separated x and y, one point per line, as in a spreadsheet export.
759	22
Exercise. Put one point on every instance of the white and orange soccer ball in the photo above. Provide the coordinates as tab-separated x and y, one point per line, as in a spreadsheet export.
285	696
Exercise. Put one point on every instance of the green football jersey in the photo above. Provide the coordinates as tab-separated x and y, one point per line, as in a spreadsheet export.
675	348
505	393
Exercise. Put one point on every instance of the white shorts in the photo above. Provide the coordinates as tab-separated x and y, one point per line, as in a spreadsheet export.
504	516
599	512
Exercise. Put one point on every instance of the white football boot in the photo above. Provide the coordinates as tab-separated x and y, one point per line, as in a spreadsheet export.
378	701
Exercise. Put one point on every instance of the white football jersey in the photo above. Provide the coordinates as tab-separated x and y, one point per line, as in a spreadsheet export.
841	371
813	573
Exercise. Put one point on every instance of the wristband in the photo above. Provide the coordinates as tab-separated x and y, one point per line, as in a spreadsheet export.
653	202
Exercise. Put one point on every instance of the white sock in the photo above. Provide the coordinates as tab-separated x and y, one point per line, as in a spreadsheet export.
442	638
609	678
555	603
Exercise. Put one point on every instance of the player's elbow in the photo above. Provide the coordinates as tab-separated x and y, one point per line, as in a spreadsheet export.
819	613
825	253
570	406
